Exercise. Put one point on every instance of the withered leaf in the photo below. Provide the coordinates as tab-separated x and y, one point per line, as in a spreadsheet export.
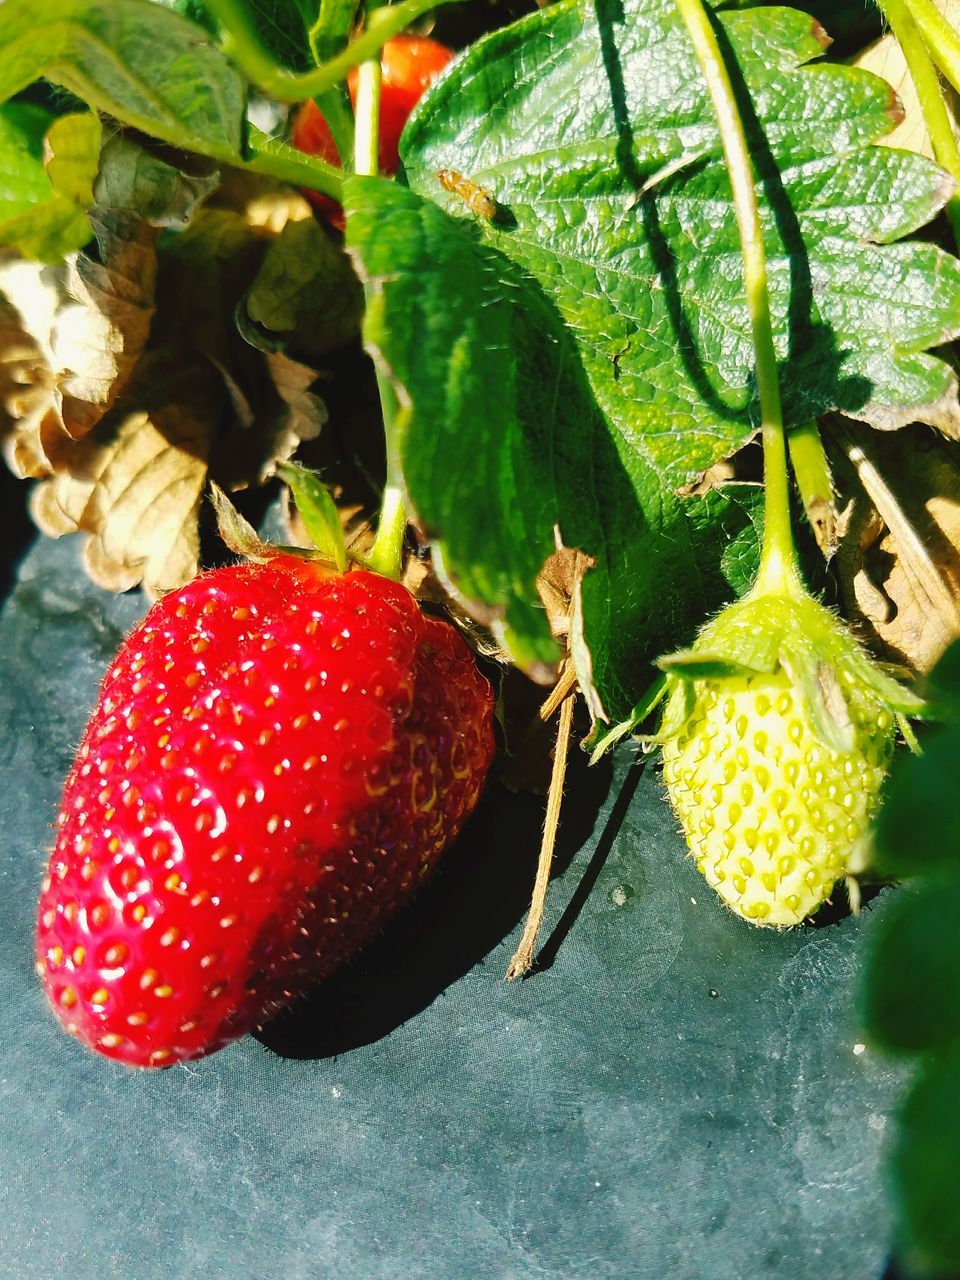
88	323
124	383
275	410
100	336
134	177
135	482
306	297
899	558
559	587
262	202
204	273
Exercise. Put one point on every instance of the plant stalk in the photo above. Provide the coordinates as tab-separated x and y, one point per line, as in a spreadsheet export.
386	554
779	571
367	123
282	162
942	41
243	45
930	94
811	471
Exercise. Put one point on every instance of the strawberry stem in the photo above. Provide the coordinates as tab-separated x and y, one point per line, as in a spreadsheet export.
942	41
367	123
930	93
811	471
386	554
779	572
242	44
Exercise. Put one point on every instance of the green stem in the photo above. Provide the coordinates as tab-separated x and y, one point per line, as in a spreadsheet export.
811	471
386	554
333	107
779	572
279	160
367	125
245	48
930	94
939	36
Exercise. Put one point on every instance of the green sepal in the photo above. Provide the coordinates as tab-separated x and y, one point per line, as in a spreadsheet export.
689	664
242	538
604	737
317	510
762	634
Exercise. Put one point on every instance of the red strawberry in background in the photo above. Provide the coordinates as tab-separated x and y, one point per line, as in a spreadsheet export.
277	759
409	65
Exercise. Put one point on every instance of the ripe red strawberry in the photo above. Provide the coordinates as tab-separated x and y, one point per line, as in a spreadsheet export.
277	759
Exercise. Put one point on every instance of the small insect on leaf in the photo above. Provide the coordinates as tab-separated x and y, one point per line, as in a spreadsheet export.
476	199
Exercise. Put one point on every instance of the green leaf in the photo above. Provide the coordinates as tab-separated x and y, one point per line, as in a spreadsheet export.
917	830
847	19
73	154
502	443
330	28
620	206
23	179
47	168
615	211
926	1169
196	11
133	59
913	992
942	686
281	29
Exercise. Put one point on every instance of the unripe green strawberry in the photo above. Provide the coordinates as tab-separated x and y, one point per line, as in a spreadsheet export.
777	736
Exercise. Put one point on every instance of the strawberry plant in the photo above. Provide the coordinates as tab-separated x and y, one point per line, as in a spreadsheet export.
635	359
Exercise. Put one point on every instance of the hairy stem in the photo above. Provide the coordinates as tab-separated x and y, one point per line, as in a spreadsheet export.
812	473
277	160
386	554
942	41
778	564
367	124
244	47
930	93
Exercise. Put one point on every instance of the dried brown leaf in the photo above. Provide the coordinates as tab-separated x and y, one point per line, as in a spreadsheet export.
99	337
71	339
124	384
306	299
282	410
558	586
261	202
135	482
899	558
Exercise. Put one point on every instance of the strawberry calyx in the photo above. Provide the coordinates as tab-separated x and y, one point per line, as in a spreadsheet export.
319	514
794	634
